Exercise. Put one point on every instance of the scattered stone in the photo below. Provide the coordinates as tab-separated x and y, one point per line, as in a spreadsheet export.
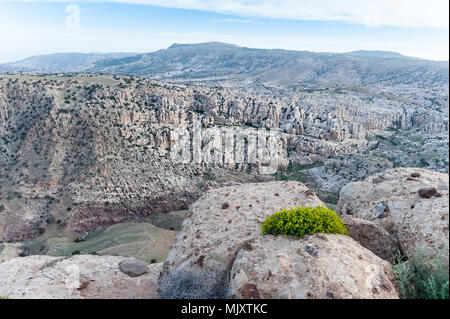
310	192
225	205
250	291
427	192
382	210
378	179
83	282
133	268
312	251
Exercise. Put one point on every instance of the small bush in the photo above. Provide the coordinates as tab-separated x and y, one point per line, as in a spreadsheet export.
50	219
207	176
183	284
302	221
422	277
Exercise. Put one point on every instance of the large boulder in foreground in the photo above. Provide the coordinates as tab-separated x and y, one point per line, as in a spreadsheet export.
411	203
315	267
81	276
219	224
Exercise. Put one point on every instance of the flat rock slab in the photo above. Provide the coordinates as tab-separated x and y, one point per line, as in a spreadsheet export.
77	277
133	268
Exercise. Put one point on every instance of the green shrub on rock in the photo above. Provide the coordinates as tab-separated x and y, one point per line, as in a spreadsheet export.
302	221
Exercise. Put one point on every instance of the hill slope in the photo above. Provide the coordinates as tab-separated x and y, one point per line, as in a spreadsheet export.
221	63
60	62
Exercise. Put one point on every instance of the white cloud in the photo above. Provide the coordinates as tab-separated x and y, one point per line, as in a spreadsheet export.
424	13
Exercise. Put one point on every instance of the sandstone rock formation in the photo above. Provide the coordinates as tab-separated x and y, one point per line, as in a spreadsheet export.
220	223
220	252
102	147
395	200
315	267
81	276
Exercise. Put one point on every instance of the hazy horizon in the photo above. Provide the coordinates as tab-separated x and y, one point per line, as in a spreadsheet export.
413	28
198	43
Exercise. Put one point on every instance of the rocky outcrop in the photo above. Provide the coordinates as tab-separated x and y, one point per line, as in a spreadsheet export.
109	149
105	151
220	252
410	203
220	223
82	276
315	267
373	237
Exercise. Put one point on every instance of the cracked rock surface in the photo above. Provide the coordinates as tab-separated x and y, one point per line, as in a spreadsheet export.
199	263
315	267
77	277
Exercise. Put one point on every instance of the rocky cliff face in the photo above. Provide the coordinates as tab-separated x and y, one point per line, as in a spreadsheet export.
94	150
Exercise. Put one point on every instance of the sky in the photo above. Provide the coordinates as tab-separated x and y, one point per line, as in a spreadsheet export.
412	27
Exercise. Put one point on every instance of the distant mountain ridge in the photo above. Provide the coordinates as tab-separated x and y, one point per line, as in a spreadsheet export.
379	54
59	62
216	62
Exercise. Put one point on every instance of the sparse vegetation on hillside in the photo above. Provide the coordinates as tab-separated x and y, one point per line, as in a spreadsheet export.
422	277
143	241
207	176
302	221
